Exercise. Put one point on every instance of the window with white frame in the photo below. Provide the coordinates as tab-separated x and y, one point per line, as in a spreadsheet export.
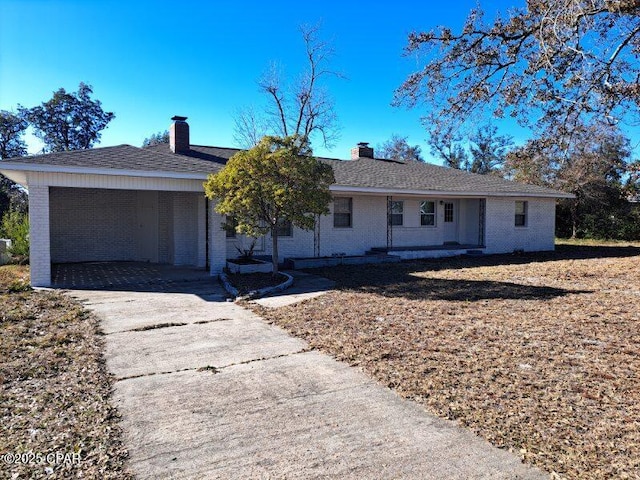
428	213
521	213
448	212
284	229
396	212
342	212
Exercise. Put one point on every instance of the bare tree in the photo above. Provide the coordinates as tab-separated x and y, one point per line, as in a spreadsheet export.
571	62
303	109
249	127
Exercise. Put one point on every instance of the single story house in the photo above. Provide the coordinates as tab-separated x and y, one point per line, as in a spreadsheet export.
125	203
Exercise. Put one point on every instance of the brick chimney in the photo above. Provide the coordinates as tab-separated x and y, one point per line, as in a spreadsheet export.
362	150
179	135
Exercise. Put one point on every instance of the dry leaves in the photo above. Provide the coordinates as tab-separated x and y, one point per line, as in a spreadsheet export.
54	388
539	354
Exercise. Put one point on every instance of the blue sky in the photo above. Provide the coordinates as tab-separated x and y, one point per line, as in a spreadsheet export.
150	60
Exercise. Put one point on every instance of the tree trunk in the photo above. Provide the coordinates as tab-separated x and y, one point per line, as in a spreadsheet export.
274	250
574	219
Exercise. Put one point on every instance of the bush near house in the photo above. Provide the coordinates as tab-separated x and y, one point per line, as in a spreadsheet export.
15	226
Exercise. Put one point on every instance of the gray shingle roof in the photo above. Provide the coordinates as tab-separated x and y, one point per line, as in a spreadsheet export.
388	174
127	157
363	173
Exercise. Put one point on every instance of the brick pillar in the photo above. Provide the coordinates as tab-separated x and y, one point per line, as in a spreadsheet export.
40	245
217	242
201	261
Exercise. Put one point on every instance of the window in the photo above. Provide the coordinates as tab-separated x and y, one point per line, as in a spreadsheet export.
448	212
284	229
229	227
396	209
428	213
521	213
342	212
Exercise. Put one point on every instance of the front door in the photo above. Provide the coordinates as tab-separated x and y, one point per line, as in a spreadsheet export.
451	221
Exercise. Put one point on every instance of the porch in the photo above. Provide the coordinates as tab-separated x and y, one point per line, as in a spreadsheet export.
429	251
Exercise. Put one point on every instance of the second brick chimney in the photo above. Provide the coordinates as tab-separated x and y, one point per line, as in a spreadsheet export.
179	135
362	150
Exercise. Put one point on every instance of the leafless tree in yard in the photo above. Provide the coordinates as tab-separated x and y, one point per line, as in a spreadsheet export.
302	108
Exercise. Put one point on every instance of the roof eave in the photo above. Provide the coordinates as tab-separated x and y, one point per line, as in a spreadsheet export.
20	167
446	193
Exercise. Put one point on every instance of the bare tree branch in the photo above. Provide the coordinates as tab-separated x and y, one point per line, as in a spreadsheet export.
564	61
304	109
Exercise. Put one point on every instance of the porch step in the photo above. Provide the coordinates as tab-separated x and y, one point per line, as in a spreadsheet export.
318	262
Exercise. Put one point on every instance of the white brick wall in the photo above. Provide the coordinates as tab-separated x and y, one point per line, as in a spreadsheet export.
40	253
369	228
185	228
201	248
217	241
123	225
88	224
93	225
502	236
165	227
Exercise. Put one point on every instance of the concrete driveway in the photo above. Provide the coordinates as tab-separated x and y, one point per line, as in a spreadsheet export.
207	389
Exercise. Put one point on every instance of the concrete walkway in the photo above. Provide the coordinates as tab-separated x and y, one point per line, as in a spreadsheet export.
208	390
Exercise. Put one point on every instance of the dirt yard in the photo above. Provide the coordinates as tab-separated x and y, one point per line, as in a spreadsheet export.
57	421
537	353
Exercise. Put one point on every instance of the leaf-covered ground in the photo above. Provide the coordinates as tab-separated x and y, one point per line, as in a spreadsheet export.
538	353
54	388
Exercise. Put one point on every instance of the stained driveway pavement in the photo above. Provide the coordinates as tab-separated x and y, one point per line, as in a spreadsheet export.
207	389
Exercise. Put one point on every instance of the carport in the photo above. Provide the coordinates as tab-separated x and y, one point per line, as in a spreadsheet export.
82	210
107	225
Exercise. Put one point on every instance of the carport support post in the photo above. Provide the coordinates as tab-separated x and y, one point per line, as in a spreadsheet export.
217	242
39	239
202	232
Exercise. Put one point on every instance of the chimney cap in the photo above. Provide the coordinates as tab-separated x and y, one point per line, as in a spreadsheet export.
178	118
361	150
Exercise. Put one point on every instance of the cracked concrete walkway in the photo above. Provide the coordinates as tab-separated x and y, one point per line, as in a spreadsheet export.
207	389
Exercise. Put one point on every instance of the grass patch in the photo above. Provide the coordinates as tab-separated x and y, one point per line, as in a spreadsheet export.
249	282
54	387
595	243
537	353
